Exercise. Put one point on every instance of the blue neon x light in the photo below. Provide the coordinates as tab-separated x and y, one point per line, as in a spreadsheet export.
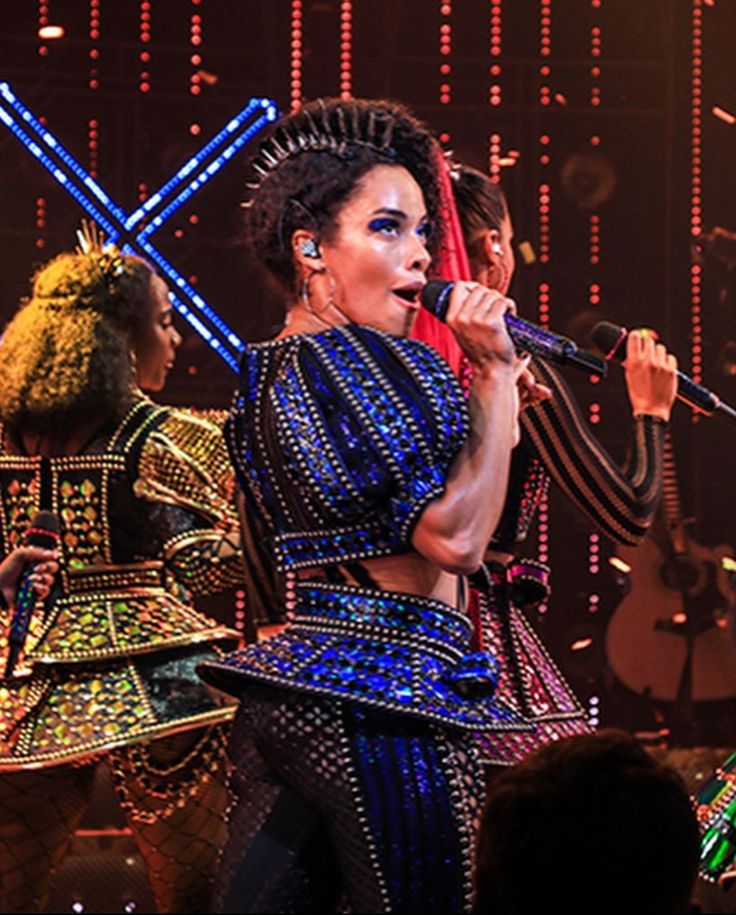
133	232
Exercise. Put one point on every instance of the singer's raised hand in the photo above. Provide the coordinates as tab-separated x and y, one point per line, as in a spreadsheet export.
12	567
475	316
651	375
531	391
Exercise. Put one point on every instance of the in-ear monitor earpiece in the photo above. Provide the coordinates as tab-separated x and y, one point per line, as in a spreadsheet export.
309	248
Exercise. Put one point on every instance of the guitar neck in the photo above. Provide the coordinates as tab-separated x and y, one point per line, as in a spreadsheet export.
671	506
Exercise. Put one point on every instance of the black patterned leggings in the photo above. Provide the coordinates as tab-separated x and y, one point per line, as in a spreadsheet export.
172	793
338	805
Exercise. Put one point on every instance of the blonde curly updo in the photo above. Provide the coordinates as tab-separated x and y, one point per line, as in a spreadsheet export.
66	352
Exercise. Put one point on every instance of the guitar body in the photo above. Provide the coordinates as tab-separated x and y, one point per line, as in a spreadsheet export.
676	601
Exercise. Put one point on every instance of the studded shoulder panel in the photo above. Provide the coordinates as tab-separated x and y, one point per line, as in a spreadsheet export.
341	439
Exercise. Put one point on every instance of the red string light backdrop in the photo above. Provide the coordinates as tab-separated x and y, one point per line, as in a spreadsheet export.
611	126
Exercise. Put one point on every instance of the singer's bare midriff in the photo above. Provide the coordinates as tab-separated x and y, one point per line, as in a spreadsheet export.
409	573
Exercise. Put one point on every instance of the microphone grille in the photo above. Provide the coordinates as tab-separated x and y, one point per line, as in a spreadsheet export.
43	530
435	297
608	338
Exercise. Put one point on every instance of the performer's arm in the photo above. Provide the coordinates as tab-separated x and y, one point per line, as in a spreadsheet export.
451	531
620	502
184	468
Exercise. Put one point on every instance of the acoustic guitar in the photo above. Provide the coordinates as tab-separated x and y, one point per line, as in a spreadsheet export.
672	636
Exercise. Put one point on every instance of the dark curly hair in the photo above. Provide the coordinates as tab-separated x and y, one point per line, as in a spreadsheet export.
304	188
66	352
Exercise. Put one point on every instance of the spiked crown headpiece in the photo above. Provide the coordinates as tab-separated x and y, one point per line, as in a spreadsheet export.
107	257
338	130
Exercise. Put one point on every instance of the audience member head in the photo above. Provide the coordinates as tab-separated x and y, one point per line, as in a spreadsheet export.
592	823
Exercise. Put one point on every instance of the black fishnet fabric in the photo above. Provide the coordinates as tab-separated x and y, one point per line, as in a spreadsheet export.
175	804
176	807
39	812
298	837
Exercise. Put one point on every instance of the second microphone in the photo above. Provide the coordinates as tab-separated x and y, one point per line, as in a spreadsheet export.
526	336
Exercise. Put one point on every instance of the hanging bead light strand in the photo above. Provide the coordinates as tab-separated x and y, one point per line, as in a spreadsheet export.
346	49
297	49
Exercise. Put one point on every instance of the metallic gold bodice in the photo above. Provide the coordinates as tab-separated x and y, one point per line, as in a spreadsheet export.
147	520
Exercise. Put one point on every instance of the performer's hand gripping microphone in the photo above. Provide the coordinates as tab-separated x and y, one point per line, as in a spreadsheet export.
525	336
611	340
43	532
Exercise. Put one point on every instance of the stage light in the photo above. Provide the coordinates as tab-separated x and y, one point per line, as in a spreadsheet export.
583	655
696	112
619	564
594	711
346	49
297	40
51	32
445	49
118	227
494	155
526	250
581	644
206	77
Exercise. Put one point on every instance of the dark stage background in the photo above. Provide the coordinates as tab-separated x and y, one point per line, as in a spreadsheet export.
610	124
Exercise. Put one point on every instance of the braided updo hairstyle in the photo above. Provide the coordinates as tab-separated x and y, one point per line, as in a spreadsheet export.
66	352
313	163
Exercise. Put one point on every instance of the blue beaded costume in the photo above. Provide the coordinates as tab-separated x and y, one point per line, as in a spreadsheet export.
340	440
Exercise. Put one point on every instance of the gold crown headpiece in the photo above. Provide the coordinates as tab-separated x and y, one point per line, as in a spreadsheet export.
337	131
107	257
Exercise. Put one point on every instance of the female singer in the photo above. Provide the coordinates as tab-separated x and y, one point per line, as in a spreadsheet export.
555	443
362	466
144	497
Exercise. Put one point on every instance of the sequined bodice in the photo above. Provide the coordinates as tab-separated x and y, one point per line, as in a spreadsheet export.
86	491
108	658
156	489
341	439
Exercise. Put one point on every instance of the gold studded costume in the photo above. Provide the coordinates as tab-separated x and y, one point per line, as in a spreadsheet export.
147	519
118	632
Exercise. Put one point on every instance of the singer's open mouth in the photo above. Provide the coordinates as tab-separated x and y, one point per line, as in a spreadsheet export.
409	294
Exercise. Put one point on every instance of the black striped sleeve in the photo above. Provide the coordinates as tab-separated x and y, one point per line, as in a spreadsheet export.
620	502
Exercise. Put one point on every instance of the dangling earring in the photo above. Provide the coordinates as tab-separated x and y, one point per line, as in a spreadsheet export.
502	283
497	277
306	298
133	370
505	278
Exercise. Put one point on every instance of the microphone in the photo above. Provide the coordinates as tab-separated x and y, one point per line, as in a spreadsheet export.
43	532
525	336
610	339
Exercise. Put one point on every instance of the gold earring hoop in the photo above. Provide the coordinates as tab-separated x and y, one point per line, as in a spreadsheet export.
134	386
